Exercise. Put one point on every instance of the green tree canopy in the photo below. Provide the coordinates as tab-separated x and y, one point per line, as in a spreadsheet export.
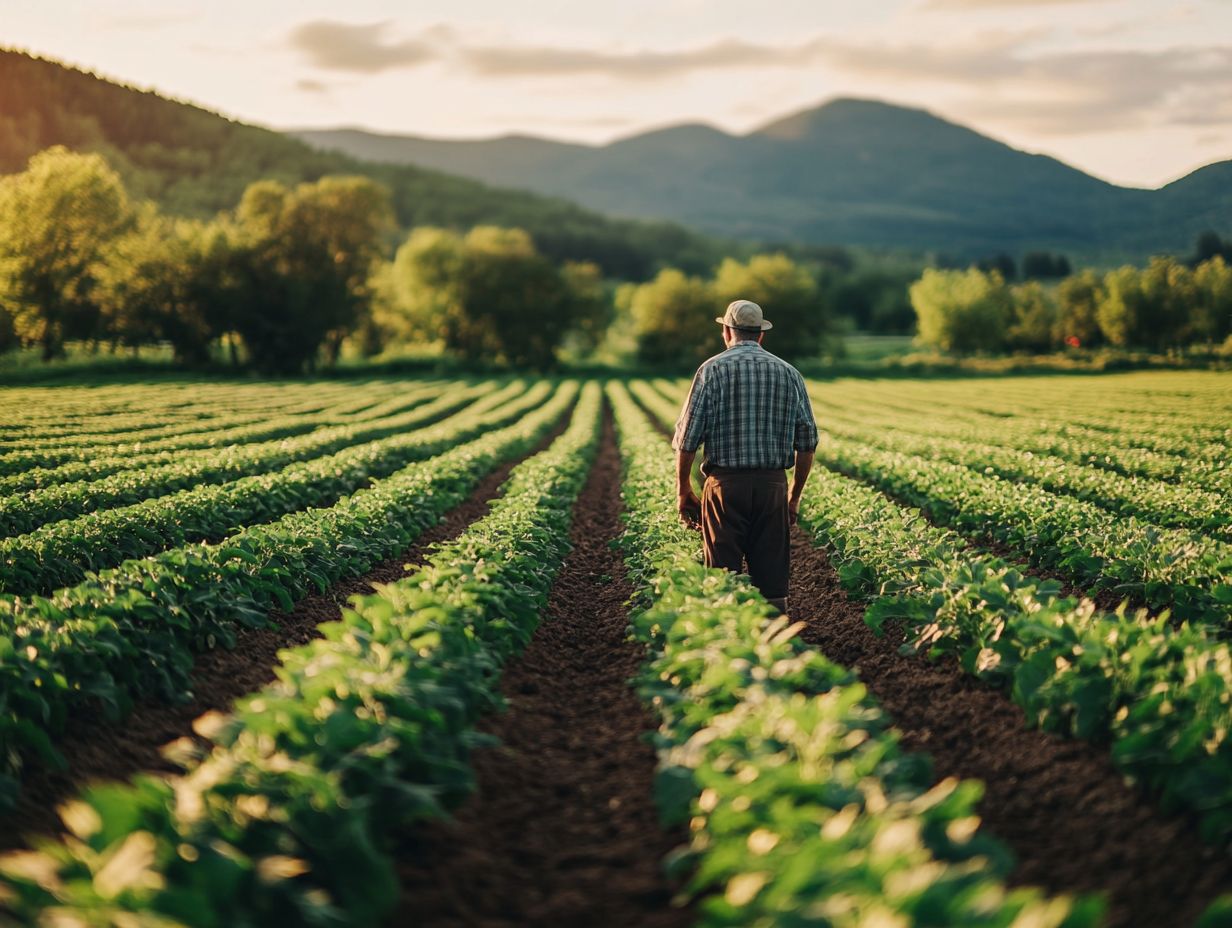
787	293
673	318
1211	319
1034	317
307	255
962	311
1147	308
1078	300
170	280
490	295
56	217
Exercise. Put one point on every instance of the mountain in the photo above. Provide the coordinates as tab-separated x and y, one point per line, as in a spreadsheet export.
194	162
849	172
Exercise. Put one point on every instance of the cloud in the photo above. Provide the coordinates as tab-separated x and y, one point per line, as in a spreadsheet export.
308	85
143	21
1061	92
1011	77
371	48
361	48
546	61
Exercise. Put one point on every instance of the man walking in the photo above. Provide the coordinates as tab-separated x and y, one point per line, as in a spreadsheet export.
752	413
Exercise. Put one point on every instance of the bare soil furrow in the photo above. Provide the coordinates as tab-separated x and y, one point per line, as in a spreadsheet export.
562	830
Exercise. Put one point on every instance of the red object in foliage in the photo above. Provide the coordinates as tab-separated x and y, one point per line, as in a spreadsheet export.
1072	341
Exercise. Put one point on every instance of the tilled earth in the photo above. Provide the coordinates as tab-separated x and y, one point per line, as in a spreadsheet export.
562	831
1060	805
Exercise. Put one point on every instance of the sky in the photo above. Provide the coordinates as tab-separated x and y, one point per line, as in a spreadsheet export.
1138	92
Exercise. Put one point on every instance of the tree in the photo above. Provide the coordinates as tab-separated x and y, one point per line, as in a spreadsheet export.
673	318
307	256
1211	317
1001	263
1211	245
56	217
169	280
962	311
1147	308
1034	318
1043	265
1078	300
786	292
490	295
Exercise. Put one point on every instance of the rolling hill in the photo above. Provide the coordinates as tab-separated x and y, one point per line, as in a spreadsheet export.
194	162
849	172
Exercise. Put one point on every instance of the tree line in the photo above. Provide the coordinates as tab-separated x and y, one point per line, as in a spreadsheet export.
293	272
1167	304
282	280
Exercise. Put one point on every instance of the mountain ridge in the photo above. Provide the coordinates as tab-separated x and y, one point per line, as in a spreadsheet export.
835	174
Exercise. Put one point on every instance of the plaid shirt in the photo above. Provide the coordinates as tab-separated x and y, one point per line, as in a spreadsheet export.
749	408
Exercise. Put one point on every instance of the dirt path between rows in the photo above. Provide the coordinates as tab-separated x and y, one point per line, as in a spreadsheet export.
1060	805
563	830
98	750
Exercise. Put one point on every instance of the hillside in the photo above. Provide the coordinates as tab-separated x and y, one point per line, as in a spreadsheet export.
195	162
851	172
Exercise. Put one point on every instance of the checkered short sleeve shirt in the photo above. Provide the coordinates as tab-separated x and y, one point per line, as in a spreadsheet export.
749	409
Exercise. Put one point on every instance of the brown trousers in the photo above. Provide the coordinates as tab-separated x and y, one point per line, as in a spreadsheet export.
745	518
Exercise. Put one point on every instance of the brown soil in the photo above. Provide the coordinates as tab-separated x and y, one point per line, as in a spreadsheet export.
97	750
1060	805
563	830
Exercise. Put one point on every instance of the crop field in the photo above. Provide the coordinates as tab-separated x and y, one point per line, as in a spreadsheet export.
439	652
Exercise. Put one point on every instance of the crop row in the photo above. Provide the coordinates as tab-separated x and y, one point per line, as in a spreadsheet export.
1196	464
1164	568
1135	414
208	435
60	553
1160	696
802	808
112	458
131	631
25	512
152	429
1168	505
52	425
288	820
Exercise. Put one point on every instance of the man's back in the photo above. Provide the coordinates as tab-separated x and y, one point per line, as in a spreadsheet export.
749	408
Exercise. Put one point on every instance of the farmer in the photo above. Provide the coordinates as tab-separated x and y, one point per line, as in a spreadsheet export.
752	412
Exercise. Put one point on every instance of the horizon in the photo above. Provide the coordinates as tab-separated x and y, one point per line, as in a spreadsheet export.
1121	89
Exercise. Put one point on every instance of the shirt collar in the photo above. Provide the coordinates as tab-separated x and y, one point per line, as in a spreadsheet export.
743	344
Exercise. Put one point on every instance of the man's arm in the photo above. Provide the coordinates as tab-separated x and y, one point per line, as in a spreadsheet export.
806	447
804	464
687	503
690	433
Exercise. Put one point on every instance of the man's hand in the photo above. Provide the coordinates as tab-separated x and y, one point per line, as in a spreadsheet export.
804	464
690	509
687	503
